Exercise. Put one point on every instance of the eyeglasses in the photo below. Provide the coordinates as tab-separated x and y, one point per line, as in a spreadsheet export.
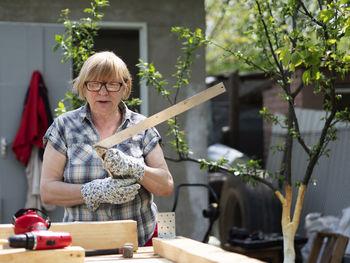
96	86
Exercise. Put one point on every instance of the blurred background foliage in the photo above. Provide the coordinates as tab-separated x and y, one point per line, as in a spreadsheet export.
231	28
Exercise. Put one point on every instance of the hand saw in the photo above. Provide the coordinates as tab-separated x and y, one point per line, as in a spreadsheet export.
102	146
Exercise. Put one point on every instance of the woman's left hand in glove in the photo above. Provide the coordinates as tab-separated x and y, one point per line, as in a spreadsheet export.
121	165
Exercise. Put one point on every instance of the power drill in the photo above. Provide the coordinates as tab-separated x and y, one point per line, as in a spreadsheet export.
31	232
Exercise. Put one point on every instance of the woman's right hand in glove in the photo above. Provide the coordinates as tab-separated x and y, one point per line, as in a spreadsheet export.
108	190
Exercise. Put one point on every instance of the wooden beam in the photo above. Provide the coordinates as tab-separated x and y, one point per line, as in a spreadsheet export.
185	250
65	255
6	230
234	110
142	255
92	235
162	116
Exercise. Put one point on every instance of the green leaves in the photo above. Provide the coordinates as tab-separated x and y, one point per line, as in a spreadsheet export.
285	55
211	166
346	59
153	78
77	44
269	116
77	41
306	77
133	103
192	40
326	15
179	143
331	41
68	103
296	60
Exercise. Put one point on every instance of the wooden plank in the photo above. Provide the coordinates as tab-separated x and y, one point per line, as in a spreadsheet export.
185	250
138	257
162	116
340	248
6	230
92	235
316	248
328	249
100	235
332	251
143	254
65	255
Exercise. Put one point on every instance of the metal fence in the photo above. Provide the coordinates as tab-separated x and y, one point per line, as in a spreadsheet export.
329	191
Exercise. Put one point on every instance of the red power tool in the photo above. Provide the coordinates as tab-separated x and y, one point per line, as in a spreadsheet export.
31	231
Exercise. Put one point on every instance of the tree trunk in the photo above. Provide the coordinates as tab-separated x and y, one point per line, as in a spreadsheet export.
290	225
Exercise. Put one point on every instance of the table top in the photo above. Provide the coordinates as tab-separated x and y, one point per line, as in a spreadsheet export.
142	255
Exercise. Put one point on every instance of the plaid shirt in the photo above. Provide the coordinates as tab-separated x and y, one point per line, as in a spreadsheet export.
73	134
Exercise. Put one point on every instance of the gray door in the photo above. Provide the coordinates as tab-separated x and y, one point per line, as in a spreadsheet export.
125	44
24	48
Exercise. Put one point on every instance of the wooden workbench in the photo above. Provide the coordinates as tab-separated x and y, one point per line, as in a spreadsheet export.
142	255
168	251
114	234
183	250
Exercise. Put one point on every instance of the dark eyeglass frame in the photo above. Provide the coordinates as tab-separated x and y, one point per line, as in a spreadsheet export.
105	84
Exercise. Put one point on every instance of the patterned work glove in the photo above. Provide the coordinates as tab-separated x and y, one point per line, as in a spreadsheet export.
108	190
121	165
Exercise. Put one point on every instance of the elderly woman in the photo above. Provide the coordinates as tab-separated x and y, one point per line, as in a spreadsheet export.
75	177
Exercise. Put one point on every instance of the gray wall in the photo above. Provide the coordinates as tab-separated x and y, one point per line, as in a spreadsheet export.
163	49
23	49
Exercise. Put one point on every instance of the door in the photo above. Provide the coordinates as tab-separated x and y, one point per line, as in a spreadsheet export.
24	47
125	44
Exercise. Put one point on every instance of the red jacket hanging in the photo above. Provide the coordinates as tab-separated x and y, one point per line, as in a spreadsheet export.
36	118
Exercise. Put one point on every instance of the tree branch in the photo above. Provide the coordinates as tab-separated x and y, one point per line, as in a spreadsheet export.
289	148
314	156
298	206
226	170
299	137
320	4
307	13
295	119
269	40
275	31
221	18
297	90
249	62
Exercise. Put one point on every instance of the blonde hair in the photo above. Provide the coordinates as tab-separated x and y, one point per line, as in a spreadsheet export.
105	66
